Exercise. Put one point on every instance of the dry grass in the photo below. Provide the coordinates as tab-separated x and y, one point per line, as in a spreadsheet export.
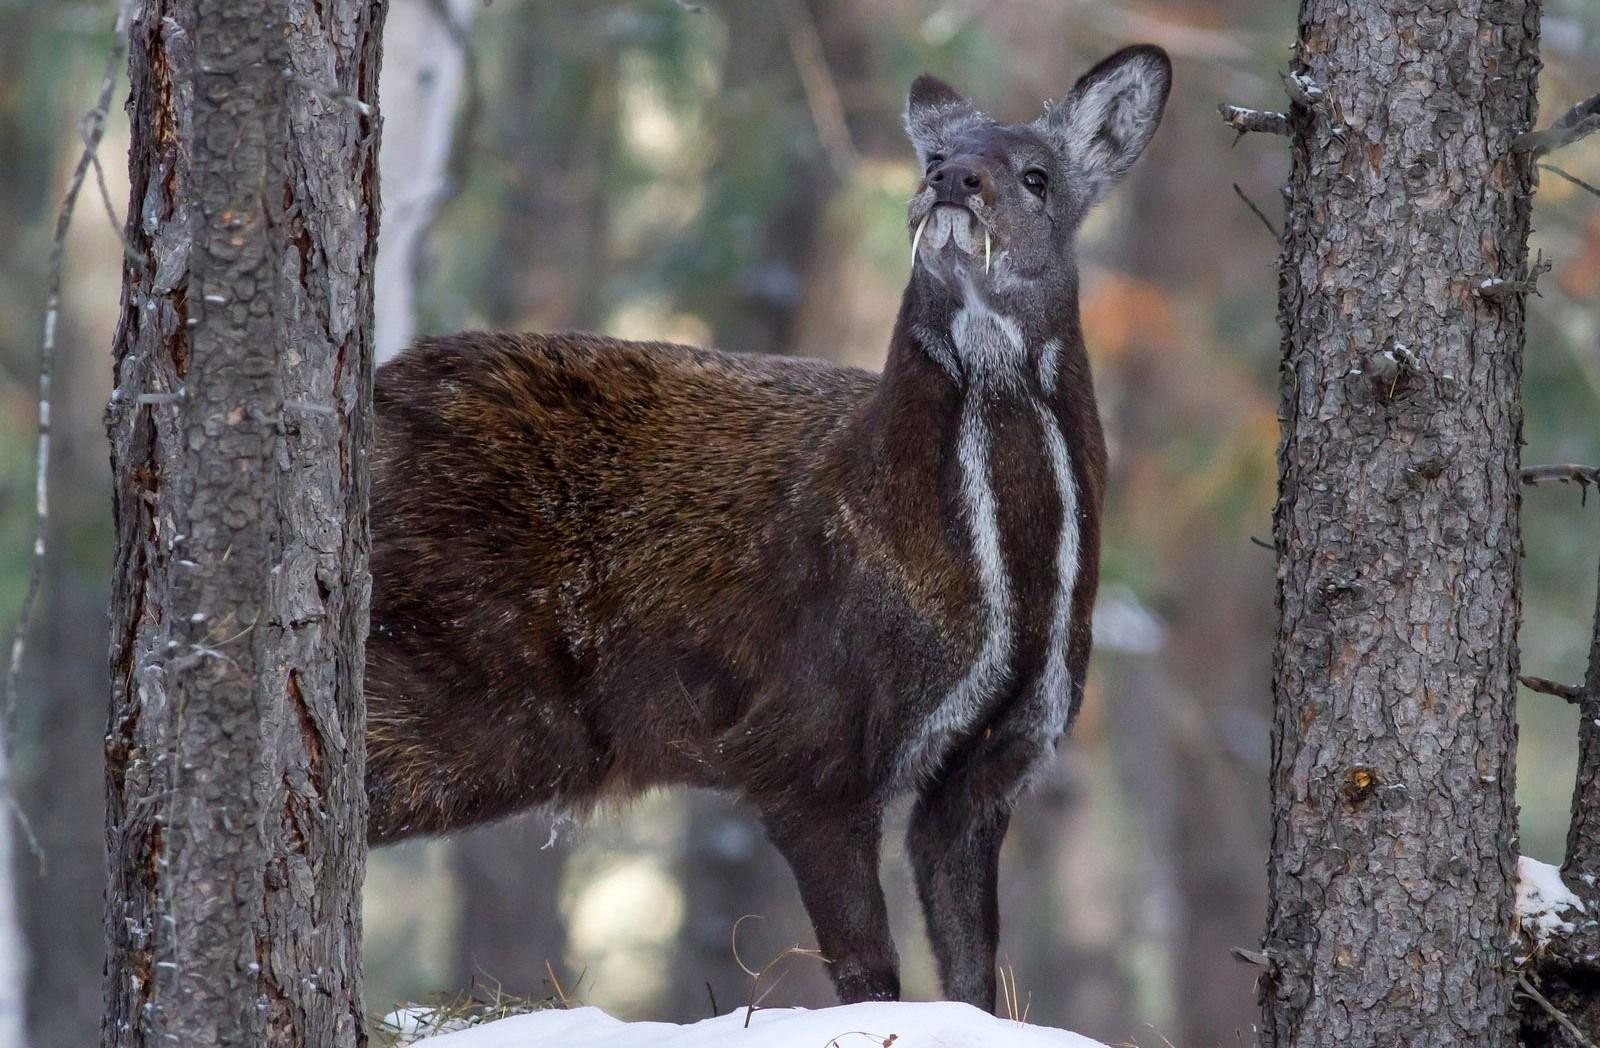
448	1013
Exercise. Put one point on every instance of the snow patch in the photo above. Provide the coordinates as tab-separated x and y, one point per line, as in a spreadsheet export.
1542	898
939	1024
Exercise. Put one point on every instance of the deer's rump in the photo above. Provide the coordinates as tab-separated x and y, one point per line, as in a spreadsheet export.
583	551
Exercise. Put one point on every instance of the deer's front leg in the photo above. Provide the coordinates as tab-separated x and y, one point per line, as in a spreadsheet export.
956	830
834	856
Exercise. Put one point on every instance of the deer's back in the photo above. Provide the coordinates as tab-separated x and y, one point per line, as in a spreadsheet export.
583	549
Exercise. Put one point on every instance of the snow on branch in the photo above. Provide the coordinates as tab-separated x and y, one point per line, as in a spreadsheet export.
1525	281
1261	121
1545	905
1564	472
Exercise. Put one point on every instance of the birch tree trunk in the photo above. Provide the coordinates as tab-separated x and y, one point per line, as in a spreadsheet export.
1397	525
239	427
13	959
425	48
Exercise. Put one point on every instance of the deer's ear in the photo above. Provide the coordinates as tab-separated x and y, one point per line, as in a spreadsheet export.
1112	113
934	110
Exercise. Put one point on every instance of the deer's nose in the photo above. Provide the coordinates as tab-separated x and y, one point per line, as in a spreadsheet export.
954	181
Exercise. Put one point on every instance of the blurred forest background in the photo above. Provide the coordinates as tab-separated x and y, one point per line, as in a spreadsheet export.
732	172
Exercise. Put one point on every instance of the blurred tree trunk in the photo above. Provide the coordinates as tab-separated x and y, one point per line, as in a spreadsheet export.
239	427
508	877
60	732
544	272
425	47
1567	967
1391	867
727	868
1211	817
13	955
560	156
60	715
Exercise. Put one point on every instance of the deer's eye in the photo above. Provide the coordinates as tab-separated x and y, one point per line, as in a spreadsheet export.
1036	180
934	160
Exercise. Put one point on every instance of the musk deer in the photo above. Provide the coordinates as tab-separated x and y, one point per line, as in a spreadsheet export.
601	566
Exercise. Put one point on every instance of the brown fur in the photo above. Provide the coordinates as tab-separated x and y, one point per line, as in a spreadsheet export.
587	548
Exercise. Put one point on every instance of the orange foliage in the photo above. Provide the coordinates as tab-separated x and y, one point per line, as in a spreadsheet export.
1122	312
1579	274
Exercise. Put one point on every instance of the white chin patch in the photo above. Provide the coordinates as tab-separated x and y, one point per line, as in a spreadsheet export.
950	225
946	227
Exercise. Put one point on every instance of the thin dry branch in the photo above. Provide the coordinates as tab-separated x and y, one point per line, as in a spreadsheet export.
758	995
1546	686
93	127
1555	1013
1589	187
1260	121
117	226
1562	472
816	80
1258	958
1251	204
1581	121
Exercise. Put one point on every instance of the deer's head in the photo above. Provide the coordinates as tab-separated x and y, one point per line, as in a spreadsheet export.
999	204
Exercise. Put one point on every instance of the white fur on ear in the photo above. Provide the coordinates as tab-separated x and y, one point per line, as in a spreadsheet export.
934	111
1112	113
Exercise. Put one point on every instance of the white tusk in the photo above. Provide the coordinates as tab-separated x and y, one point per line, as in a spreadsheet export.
986	251
917	239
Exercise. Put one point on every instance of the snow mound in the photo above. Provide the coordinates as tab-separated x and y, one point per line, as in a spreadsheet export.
939	1024
1542	899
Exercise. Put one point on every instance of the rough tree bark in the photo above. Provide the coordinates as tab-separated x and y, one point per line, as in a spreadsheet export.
1397	525
239	427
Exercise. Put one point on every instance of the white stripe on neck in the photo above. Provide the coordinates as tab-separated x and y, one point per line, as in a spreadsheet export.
960	707
989	347
1056	681
1049	364
992	353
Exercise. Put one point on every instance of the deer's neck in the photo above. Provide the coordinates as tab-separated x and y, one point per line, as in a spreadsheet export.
975	474
969	454
956	354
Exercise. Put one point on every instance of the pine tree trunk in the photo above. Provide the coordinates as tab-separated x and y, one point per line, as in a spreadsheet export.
1397	526
239	428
